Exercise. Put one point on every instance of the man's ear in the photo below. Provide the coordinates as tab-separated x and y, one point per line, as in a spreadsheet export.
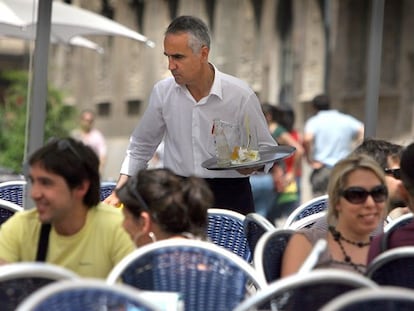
83	188
204	51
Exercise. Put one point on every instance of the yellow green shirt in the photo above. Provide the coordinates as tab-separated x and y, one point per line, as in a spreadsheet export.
91	252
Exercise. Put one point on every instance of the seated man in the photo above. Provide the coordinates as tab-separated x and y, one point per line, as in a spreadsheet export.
402	236
69	222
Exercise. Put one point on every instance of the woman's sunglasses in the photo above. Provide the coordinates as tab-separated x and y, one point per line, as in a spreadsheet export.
394	172
358	195
132	186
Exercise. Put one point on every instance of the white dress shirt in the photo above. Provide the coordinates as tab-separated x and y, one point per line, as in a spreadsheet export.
186	125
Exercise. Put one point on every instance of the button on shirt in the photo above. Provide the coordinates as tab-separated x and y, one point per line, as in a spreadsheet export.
186	125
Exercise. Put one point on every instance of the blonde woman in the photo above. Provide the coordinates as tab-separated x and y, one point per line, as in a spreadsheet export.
357	198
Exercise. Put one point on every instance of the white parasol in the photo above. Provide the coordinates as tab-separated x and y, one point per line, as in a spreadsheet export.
41	21
18	18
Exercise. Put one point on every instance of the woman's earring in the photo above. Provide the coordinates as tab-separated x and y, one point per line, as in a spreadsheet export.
152	236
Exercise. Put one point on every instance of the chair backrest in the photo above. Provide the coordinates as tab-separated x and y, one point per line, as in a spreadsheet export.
391	227
226	229
394	267
269	251
255	225
399	222
12	191
86	294
106	189
7	209
207	276
307	221
18	280
383	298
308	291
310	207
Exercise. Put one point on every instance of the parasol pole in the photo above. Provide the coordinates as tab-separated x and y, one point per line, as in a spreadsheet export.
36	110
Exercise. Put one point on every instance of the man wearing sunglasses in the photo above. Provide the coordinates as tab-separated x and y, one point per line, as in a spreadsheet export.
404	235
388	156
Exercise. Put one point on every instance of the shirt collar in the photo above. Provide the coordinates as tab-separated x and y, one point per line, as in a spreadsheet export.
215	88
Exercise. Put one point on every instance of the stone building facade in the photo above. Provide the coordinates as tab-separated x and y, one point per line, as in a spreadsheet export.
279	47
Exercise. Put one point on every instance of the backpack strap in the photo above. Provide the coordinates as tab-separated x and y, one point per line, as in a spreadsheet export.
43	244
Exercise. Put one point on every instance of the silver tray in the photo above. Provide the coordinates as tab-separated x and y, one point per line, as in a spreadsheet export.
271	155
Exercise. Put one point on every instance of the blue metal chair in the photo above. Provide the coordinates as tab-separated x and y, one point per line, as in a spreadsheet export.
18	280
311	207
255	225
269	251
399	222
207	276
394	267
12	191
86	294
106	189
7	209
384	298
308	221
226	229
307	291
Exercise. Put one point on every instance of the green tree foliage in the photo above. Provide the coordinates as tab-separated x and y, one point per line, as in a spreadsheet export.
60	118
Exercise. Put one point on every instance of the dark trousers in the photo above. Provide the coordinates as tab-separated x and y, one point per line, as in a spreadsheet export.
319	179
232	193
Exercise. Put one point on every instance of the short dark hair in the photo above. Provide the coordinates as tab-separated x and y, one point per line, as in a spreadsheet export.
285	116
407	168
74	161
269	109
380	150
198	30
321	102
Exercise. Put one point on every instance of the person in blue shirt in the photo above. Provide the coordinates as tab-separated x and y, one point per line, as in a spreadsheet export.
329	136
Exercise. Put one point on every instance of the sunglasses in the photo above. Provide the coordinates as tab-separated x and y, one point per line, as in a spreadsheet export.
358	195
394	172
65	144
133	190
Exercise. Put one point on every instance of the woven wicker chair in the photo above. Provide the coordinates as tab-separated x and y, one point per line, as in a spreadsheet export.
255	225
269	251
394	267
7	209
86	294
311	207
384	298
307	291
12	191
226	229
18	280
207	276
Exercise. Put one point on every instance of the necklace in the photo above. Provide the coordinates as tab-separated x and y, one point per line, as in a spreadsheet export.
338	236
347	259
